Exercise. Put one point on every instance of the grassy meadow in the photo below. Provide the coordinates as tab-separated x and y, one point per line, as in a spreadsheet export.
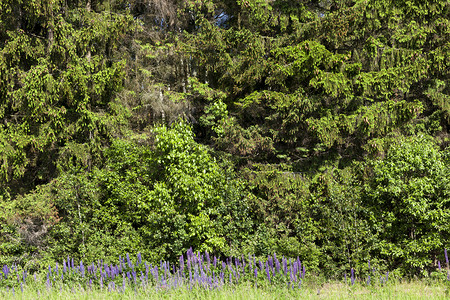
199	276
417	289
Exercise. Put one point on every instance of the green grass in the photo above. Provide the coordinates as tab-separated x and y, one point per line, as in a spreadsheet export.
419	289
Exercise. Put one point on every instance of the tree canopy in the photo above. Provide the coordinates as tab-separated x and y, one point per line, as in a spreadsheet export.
317	129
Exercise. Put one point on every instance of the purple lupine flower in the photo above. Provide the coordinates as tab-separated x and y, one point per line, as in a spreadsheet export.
368	280
24	275
294	267
261	266
203	278
142	279
167	268
73	265
304	271
156	273
146	272
133	273
107	271
181	260
21	287
101	282
446	257
208	261
210	282
64	266
299	263
439	265
139	258
255	270
270	261
188	262
387	275
215	261
129	261
268	272
277	265
200	264
197	276
284	265
352	277
82	269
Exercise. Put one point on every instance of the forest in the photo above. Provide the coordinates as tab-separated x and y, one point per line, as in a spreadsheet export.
317	129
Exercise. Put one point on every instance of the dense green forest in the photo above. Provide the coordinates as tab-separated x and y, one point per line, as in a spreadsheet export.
317	129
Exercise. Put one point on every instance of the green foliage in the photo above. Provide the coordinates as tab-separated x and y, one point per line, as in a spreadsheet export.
24	224
322	219
409	191
57	83
158	199
334	113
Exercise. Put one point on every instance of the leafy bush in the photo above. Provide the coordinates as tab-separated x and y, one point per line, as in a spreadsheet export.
409	192
158	198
